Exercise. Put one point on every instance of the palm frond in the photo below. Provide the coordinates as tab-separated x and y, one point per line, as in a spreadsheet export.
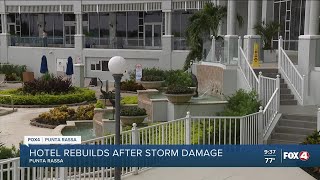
267	31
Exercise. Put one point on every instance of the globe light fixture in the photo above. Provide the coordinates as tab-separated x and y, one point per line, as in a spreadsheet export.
117	66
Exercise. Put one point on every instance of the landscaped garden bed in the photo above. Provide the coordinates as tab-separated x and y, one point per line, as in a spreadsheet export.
60	115
47	91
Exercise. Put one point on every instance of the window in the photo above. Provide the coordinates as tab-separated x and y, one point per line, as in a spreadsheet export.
99	66
105	66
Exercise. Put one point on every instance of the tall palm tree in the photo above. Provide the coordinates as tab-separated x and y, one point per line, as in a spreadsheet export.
202	24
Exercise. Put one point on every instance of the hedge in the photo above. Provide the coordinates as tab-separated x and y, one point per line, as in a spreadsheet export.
77	96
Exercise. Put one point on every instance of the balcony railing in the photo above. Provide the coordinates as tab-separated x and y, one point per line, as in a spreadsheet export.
123	43
38	42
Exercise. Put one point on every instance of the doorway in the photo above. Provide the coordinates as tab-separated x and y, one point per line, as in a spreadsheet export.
152	34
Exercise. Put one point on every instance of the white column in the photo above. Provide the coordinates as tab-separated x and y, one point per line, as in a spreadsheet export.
169	23
4	23
231	26
166	23
307	17
314	17
253	9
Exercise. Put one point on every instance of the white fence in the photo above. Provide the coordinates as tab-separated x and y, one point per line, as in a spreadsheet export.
188	130
268	90
290	73
246	68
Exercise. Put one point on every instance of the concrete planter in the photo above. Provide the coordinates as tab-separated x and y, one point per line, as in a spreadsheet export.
270	56
129	120
179	98
151	84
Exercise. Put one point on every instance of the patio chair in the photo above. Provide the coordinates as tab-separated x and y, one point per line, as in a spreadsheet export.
3	80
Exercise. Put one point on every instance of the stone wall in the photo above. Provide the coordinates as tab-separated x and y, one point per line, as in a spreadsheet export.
210	79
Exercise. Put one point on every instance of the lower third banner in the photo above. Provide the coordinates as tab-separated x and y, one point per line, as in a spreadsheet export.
170	156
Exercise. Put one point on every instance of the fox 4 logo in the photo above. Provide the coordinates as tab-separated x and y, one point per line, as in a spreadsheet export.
303	155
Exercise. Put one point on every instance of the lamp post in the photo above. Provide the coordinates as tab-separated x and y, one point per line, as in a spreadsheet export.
117	66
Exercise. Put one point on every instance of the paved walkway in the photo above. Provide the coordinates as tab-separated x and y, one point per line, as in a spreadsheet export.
15	126
222	174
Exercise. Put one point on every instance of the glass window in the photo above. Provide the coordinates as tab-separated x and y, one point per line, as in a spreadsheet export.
121	24
105	66
34	31
104	25
24	24
69	17
133	23
11	18
98	66
49	24
94	24
58	25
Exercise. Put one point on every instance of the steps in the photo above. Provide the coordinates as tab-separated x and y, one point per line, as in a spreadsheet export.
286	97
293	129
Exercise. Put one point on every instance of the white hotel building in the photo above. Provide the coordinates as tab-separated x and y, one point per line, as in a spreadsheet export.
147	32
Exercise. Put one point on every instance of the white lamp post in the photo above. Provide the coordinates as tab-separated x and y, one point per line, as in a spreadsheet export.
117	66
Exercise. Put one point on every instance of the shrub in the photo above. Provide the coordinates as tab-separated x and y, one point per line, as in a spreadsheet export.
60	115
20	98
133	111
48	84
152	74
130	85
178	89
100	104
85	112
314	138
178	77
129	100
12	72
242	103
9	152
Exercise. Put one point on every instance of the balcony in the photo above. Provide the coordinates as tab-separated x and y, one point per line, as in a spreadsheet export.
38	42
123	43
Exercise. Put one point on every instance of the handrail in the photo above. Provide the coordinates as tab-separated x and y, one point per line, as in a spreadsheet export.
246	60
291	74
270	100
291	63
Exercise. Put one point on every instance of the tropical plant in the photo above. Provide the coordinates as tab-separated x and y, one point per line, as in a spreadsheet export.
130	85
100	104
202	24
267	31
48	84
12	72
178	77
129	100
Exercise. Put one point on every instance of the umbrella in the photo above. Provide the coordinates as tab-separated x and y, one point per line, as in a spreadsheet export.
69	70
44	65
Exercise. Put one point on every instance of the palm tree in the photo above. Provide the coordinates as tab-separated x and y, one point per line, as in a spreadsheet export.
201	25
267	31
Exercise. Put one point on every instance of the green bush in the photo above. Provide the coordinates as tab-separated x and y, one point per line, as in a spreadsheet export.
129	100
9	152
242	103
12	72
314	138
100	104
130	85
152	74
178	89
178	77
20	98
60	115
48	84
133	111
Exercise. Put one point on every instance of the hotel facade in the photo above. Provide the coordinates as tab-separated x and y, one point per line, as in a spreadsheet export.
151	33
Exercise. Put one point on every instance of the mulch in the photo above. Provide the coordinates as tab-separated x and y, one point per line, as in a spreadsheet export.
310	171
